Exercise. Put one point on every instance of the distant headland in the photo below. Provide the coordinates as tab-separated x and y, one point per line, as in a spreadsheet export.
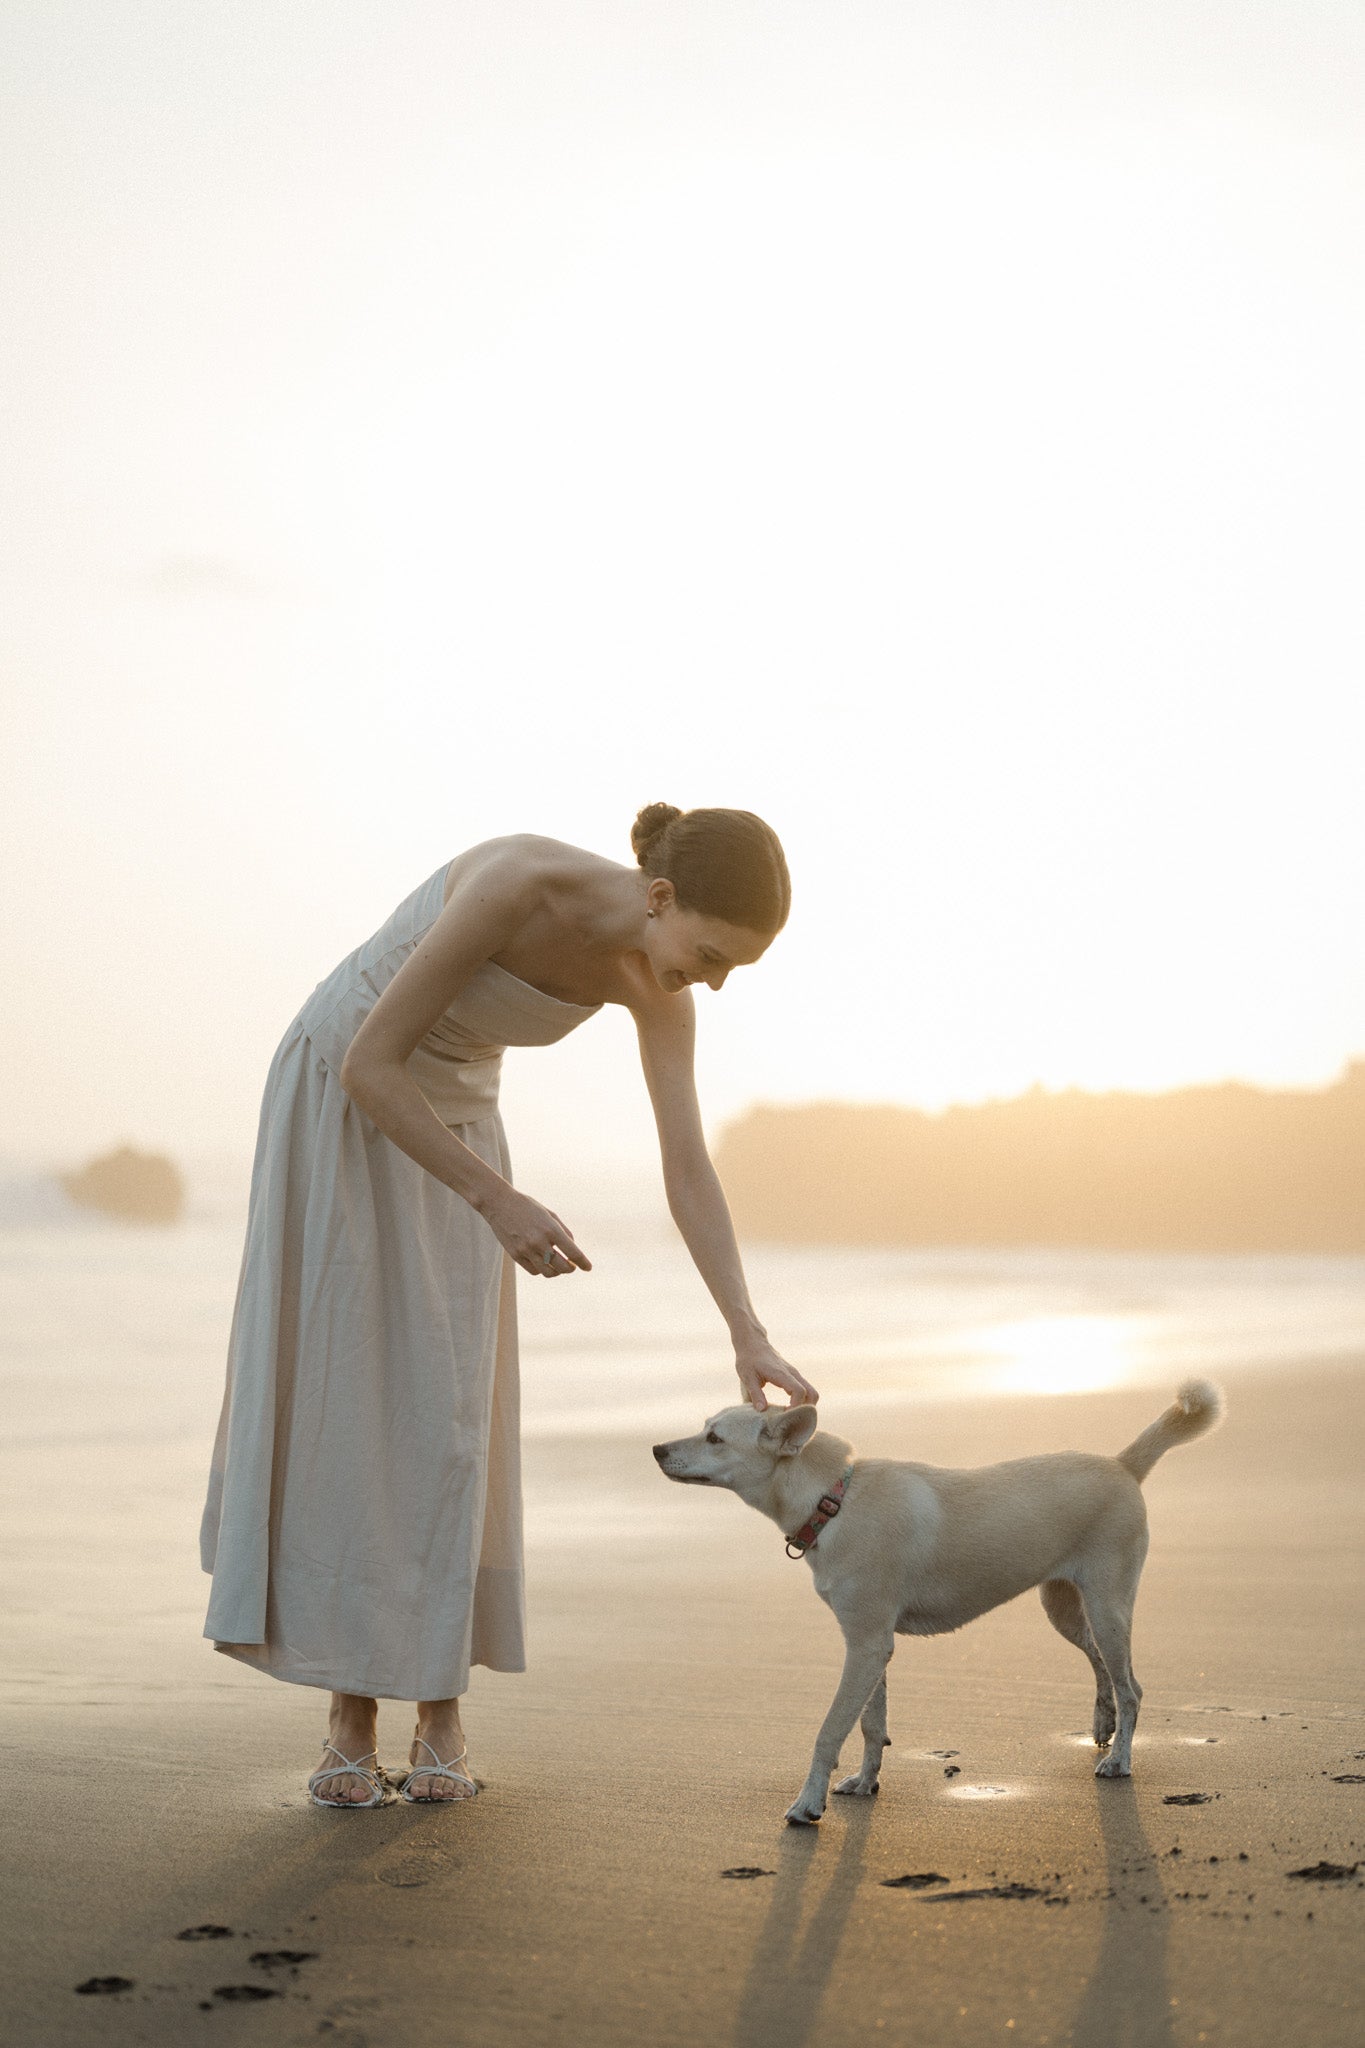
139	1187
1226	1168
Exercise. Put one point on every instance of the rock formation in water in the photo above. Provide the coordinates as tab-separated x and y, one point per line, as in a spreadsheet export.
1218	1169
139	1187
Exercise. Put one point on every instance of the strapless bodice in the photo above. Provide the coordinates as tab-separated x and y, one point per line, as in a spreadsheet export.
458	1063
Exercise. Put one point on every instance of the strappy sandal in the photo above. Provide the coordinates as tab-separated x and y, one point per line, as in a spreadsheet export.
436	1769
375	1779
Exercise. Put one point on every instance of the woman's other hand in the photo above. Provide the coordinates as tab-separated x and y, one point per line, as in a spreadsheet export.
759	1365
534	1236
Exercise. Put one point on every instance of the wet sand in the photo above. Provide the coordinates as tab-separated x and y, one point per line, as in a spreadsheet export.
680	1667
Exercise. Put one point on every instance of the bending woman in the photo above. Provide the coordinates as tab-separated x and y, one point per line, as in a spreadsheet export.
363	1524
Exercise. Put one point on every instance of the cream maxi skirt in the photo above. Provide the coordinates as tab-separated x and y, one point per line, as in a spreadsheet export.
363	1524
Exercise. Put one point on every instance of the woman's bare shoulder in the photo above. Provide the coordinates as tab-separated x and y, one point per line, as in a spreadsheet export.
519	862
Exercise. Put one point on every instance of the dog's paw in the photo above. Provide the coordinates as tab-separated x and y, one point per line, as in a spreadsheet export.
803	1815
858	1787
1111	1767
1105	1722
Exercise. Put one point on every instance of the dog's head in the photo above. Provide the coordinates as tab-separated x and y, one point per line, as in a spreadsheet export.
738	1448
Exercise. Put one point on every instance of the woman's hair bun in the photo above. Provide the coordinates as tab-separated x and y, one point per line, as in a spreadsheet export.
725	864
652	822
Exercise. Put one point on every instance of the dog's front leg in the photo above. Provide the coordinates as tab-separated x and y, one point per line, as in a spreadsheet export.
875	1739
865	1662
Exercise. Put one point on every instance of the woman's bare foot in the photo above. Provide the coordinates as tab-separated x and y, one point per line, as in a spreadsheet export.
438	1725
352	1728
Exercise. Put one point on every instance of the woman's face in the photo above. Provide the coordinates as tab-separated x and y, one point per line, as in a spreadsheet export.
684	947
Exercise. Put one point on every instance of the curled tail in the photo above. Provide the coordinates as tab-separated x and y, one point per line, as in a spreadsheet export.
1199	1406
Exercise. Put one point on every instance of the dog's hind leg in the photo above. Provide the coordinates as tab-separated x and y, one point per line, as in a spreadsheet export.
1065	1609
1109	1596
875	1740
865	1662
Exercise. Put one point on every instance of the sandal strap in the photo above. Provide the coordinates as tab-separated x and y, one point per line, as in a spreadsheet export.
437	1769
422	1743
348	1768
359	1762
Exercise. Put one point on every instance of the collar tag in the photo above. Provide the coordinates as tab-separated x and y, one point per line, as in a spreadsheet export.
827	1507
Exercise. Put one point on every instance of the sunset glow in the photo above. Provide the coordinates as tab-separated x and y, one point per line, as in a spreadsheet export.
966	482
1060	1354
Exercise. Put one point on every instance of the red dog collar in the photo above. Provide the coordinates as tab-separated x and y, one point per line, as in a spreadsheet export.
826	1509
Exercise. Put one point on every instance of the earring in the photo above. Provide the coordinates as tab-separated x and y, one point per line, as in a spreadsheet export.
649	913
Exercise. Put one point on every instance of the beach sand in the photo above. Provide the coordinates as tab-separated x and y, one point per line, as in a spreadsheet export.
680	1667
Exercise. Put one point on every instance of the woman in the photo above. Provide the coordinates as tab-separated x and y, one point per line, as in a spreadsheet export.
363	1524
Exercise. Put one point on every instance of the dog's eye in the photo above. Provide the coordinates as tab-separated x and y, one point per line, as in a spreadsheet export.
711	1437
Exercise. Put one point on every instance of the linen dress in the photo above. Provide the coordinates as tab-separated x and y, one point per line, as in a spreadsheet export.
363	1523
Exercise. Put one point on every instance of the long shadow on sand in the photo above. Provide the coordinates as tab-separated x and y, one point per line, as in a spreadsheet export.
1127	1997
780	2003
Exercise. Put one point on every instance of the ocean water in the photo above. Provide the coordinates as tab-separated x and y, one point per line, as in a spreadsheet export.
116	1334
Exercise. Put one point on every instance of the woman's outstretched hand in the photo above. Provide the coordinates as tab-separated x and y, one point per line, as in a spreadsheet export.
534	1236
759	1365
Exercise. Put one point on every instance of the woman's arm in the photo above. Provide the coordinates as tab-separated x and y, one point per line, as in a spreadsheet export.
696	1200
488	905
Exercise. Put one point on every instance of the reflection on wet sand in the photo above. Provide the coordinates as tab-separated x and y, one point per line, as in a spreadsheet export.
792	1965
1127	1997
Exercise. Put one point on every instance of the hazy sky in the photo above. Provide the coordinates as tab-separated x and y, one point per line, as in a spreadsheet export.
935	426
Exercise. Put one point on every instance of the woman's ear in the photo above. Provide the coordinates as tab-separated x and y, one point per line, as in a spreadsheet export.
660	895
789	1430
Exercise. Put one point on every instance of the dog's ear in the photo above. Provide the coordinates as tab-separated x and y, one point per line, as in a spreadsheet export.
789	1430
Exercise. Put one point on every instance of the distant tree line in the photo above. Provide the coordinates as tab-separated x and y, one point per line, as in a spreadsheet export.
1224	1168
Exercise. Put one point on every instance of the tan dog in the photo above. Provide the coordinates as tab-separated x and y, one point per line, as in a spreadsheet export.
916	1550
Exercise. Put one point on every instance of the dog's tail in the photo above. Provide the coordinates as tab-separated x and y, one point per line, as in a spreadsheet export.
1199	1406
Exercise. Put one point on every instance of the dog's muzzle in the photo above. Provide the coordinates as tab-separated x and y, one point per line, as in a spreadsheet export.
661	1452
